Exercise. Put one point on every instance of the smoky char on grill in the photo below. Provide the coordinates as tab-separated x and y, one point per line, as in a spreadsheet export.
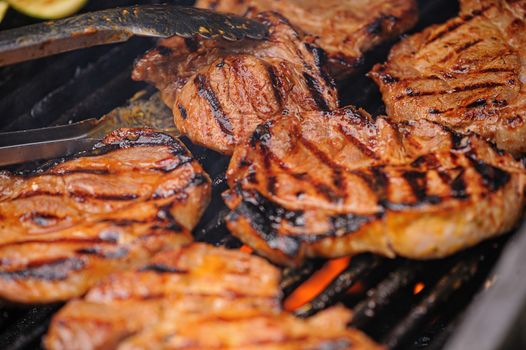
337	183
344	29
197	297
220	91
68	225
467	73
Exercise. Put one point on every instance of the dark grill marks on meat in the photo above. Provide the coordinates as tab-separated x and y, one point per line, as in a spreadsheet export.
61	277
182	111
458	186
196	180
336	170
492	177
80	218
209	297
376	180
345	30
84	171
480	102
388	78
52	270
455	24
306	189
161	268
466	74
266	217
485	85
359	145
276	84
316	92
40	218
320	60
99	240
260	138
220	91
418	183
461	48
204	90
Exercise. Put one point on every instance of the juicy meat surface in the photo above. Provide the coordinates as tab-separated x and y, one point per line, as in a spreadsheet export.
220	91
467	73
196	297
66	226
345	30
336	183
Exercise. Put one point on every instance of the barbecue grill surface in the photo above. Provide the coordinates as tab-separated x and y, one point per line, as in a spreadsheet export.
402	304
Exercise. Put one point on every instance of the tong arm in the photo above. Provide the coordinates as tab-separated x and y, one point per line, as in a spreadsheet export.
119	24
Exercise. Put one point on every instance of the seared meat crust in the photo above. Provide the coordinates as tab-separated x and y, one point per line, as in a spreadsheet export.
196	297
65	227
467	73
220	91
344	29
336	183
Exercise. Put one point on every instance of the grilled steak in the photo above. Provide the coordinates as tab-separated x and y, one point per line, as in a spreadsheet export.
196	297
65	227
345	29
220	91
467	73
261	329
336	183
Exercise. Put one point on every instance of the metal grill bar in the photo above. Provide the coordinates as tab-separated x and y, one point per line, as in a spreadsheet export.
459	275
384	293
96	104
440	339
293	277
21	95
86	93
358	268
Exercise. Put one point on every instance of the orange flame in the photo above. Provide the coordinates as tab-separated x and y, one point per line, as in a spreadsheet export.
246	249
418	288
356	288
316	283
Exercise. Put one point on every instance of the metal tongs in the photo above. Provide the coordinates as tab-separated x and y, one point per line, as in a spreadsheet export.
97	28
118	25
63	140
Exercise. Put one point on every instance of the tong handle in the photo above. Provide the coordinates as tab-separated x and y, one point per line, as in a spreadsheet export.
119	24
59	141
76	130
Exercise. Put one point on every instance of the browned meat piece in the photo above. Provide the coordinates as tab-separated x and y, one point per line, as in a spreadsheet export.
345	29
467	73
64	228
196	297
220	91
227	328
337	183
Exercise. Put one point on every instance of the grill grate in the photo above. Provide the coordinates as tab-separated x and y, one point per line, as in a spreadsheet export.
358	269
381	292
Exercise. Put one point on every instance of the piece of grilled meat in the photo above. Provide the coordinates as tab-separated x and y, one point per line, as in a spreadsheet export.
196	297
345	30
65	227
336	183
467	73
220	91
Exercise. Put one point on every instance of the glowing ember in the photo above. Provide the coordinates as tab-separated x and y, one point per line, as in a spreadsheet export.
356	288
246	249
418	288
316	283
